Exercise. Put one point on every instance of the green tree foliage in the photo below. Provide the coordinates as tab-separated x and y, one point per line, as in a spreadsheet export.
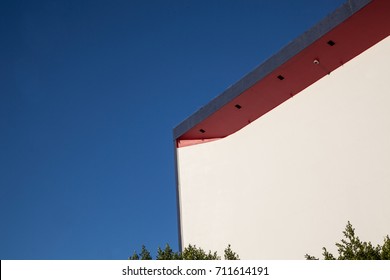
167	254
352	248
144	255
194	253
230	255
191	252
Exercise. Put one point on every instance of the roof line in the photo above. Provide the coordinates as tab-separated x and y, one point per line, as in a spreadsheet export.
285	54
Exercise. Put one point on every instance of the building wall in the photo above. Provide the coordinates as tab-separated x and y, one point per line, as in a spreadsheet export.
287	184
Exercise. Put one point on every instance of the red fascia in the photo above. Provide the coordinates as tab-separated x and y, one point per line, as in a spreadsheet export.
358	33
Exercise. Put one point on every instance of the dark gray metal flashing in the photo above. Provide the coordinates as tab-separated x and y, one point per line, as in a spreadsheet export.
289	51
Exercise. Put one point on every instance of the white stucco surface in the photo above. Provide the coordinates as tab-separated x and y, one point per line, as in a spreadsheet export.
287	184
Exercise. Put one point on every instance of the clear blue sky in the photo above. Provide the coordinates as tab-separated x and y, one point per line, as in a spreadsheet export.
89	94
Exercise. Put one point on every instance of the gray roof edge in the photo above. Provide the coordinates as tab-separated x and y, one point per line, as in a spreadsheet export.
286	53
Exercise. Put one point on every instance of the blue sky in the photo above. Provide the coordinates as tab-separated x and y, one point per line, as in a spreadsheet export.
89	94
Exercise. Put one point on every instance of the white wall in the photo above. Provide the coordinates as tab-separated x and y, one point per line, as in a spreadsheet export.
288	183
